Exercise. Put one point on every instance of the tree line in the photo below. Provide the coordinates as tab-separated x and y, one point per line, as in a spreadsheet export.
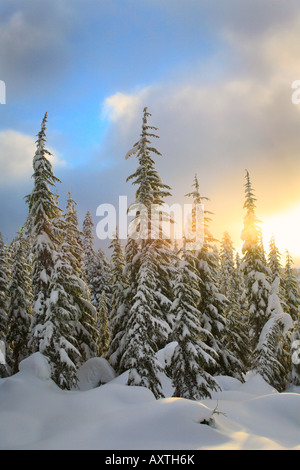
226	313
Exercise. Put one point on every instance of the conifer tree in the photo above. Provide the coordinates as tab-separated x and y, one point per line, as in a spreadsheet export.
85	330
291	294
43	211
227	267
96	264
192	356
59	343
139	356
4	279
119	312
235	336
254	268
102	327
290	288
268	323
152	259
271	355
19	304
274	261
212	303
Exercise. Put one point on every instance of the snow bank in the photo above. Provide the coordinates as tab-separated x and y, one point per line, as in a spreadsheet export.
94	372
36	414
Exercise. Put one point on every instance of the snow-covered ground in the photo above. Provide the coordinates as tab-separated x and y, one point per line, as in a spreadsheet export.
36	414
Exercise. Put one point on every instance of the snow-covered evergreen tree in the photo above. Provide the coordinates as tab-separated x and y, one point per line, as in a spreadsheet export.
151	259
291	294
43	211
274	263
268	322
140	349
192	356
227	267
254	268
271	355
291	289
19	303
85	330
235	336
96	264
102	327
59	343
4	279
212	303
119	312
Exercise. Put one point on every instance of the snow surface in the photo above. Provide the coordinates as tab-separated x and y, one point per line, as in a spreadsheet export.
36	414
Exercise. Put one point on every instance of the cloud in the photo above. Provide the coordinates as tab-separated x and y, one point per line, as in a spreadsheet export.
242	118
34	44
16	154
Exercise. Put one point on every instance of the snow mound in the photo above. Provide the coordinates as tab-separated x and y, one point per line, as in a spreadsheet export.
36	414
94	372
165	355
36	365
256	385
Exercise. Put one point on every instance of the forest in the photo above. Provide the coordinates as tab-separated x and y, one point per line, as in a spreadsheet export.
228	312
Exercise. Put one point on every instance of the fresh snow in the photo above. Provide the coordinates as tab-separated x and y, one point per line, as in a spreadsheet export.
36	414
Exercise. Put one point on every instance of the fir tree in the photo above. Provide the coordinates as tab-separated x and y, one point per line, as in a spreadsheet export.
43	210
19	304
274	261
192	357
140	350
119	312
290	288
147	255
227	267
268	323
235	336
271	355
212	303
291	294
4	279
85	322
96	264
102	327
254	268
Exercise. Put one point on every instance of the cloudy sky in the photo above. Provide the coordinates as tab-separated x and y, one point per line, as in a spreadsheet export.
216	76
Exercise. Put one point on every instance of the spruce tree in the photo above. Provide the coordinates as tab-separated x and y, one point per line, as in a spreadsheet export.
96	264
227	267
212	303
43	211
274	263
19	303
146	326
140	348
268	323
119	312
59	343
4	279
290	288
192	356
291	294
102	327
85	330
235	335
254	268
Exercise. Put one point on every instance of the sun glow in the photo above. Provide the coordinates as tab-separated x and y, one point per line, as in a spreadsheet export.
285	227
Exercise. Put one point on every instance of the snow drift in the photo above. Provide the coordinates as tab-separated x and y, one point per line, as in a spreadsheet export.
36	414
